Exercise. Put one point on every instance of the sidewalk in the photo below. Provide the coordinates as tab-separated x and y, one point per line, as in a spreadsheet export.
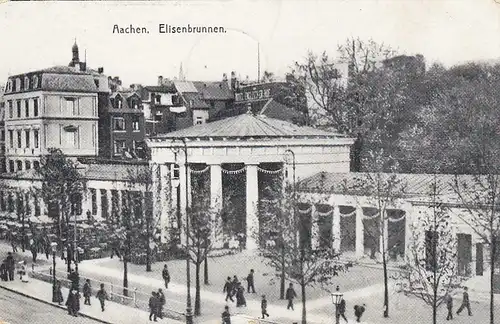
114	313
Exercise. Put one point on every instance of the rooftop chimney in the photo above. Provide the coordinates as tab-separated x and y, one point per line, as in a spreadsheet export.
224	77
100	70
160	80
233	80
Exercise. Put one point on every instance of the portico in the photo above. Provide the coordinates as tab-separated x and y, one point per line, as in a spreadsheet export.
234	152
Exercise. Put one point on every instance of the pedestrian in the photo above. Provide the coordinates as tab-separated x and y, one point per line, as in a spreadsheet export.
263	306
161	303
75	280
87	292
226	316
153	305
228	289
73	303
235	284
47	247
102	295
341	310
358	311
11	265
33	249
240	296
449	306
57	293
22	271
290	295
64	253
166	276
3	271
465	302
250	282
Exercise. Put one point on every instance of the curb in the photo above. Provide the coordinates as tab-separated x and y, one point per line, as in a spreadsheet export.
52	304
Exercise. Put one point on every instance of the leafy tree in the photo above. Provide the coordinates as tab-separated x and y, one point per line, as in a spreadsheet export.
62	185
430	272
291	254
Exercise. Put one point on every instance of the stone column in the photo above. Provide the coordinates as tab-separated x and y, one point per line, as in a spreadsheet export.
164	184
110	205
216	198
86	201
336	228
41	203
360	238
31	202
183	200
98	202
315	235
252	198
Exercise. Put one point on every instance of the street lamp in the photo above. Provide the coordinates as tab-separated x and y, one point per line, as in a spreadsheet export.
336	299
189	312
53	246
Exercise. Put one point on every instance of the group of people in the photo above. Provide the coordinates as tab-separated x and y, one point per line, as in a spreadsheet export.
234	288
7	268
465	304
156	303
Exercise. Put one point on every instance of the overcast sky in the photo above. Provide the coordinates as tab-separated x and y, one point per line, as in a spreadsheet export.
36	35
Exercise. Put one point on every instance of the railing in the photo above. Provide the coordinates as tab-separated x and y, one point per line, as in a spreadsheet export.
138	299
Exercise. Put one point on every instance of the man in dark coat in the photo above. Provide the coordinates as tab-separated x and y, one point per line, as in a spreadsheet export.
465	302
290	295
449	306
240	297
226	316
263	306
102	295
161	303
153	306
341	310
228	289
11	266
358	312
250	282
166	276
3	271
87	292
73	303
75	280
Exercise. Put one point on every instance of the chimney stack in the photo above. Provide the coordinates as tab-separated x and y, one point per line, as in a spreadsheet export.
224	77
233	80
100	70
160	80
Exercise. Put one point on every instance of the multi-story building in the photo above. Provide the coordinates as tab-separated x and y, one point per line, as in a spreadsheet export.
121	126
51	108
2	130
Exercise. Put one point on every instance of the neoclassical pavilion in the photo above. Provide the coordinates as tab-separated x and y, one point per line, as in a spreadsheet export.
247	147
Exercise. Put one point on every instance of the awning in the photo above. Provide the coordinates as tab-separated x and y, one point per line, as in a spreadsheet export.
178	110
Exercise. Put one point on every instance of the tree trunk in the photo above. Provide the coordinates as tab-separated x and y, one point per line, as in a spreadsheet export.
386	284
205	271
197	298
303	293
434	306
492	272
282	284
125	275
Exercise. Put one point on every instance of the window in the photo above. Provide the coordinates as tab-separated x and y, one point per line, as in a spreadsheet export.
36	165
71	139
11	138
76	204
19	139
27	108
118	124
28	165
2	135
35	82
135	123
71	106
37	206
11	109
2	201
119	147
18	84
176	172
27	137
199	120
18	103
35	107
26	83
104	203
8	88
158	99
19	165
11	166
93	195
36	140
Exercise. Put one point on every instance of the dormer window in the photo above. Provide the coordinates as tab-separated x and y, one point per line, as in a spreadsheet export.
26	83
117	103
35	82
18	84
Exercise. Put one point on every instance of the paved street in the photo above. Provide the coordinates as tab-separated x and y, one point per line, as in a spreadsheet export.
16	309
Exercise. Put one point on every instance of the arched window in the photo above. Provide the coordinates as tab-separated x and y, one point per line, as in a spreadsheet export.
18	84
35	82
175	172
26	83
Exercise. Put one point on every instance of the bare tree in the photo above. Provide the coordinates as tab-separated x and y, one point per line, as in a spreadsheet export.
430	272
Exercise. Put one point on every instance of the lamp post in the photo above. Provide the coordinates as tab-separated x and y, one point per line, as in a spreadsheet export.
53	246
189	312
336	299
282	284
